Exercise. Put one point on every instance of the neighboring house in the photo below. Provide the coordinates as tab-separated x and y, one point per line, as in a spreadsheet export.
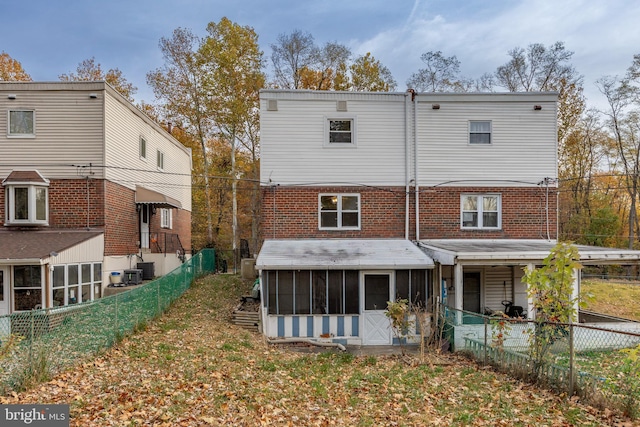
89	186
353	184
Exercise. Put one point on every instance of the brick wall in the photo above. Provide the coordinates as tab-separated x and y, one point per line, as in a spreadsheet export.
292	212
69	202
180	226
121	220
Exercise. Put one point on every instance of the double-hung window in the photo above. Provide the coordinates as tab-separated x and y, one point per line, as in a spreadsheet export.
339	211
481	211
165	218
22	124
142	148
26	194
480	132
160	160
340	132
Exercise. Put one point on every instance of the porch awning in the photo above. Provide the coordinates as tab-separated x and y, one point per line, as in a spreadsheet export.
149	197
512	251
338	254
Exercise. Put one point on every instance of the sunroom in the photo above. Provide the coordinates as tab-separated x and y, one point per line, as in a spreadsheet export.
337	289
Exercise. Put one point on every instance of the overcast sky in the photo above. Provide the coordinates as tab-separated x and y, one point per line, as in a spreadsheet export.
51	37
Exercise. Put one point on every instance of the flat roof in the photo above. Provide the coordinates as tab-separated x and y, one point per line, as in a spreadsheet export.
450	251
338	254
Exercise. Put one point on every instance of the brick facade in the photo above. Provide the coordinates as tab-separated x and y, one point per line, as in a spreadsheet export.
292	212
102	204
174	238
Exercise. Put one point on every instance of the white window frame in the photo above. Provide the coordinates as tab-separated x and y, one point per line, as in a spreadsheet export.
339	211
10	195
160	160
142	148
327	131
471	133
94	282
166	220
480	212
33	123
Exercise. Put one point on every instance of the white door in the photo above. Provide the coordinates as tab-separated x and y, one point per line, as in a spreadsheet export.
376	327
5	321
144	226
4	291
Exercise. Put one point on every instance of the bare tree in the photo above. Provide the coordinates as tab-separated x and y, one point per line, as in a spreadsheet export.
290	54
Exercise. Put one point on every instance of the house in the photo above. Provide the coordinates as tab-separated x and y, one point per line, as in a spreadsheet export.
433	197
90	186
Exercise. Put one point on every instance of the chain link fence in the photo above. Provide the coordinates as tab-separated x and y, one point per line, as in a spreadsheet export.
39	343
599	363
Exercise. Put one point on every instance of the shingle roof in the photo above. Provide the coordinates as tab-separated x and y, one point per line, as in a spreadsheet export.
39	244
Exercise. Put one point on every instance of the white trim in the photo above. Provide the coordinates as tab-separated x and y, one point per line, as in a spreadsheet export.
339	211
480	210
21	135
327	131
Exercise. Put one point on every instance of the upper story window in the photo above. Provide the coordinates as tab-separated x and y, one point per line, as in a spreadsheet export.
27	200
143	148
481	211
160	160
480	132
22	124
165	218
339	211
340	132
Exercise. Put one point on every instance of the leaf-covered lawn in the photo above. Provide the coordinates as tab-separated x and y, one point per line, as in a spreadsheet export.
193	367
616	298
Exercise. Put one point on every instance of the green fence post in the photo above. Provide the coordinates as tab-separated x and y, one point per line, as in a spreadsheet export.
115	336
485	340
158	293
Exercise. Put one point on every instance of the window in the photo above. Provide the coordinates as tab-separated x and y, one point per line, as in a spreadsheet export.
340	132
143	148
339	211
481	211
312	292
480	132
160	160
165	218
27	199
22	124
75	283
27	287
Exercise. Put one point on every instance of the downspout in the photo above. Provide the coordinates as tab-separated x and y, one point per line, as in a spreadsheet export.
415	164
407	177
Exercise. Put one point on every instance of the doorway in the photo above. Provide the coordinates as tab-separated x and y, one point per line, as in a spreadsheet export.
471	292
144	226
376	327
4	291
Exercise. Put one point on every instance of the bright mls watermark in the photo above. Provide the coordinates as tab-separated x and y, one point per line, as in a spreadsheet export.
34	415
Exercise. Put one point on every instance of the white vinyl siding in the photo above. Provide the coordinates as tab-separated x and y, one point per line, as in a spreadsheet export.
297	131
523	145
68	128
122	153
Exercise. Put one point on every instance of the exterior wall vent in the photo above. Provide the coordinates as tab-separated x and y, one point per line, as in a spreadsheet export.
272	105
342	106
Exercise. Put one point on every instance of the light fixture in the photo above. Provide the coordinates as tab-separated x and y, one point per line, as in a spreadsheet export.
11	96
93	95
537	107
435	106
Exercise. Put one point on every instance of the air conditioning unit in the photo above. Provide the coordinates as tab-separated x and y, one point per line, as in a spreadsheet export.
132	277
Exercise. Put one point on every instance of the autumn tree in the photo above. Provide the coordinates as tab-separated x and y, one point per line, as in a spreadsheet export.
369	74
11	70
89	71
440	74
234	77
290	54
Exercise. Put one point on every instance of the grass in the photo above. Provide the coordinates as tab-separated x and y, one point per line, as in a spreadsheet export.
202	370
615	298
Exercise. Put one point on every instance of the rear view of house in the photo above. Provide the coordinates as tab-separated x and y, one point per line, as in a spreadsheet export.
371	197
89	186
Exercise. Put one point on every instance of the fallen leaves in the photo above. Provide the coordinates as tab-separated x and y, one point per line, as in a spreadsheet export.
193	367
